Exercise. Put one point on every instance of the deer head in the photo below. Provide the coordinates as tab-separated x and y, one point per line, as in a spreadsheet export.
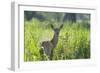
57	30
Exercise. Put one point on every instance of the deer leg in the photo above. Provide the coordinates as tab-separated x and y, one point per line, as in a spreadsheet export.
51	55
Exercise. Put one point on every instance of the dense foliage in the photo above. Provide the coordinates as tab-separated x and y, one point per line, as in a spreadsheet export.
74	40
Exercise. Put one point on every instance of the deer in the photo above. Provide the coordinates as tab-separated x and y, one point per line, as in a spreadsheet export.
48	46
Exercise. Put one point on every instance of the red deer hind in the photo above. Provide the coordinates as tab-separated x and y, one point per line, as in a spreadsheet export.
48	46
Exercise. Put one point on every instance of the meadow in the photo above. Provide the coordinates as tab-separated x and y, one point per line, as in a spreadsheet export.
73	43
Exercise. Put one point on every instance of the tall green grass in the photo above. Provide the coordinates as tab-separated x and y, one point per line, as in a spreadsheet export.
74	41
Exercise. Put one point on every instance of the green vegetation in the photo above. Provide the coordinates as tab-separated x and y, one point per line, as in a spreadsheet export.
74	40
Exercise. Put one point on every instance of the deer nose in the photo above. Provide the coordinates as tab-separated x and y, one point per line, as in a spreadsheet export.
57	33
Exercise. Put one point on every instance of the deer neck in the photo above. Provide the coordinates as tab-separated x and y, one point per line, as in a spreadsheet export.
54	40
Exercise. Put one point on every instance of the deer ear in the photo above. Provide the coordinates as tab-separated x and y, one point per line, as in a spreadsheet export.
61	26
52	26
